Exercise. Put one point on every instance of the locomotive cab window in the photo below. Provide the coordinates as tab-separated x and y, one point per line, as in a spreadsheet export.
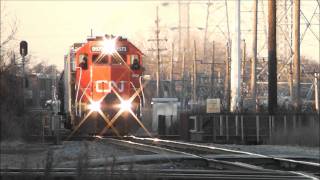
106	59
83	61
133	57
134	61
100	59
116	60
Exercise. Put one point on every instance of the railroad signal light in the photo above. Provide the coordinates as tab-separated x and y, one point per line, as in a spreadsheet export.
23	48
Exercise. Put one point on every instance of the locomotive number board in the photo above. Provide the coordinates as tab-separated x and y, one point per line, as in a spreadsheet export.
100	48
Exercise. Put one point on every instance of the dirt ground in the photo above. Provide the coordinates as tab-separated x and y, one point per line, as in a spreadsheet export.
18	154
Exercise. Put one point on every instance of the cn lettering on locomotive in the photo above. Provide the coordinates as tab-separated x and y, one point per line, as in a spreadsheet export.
105	86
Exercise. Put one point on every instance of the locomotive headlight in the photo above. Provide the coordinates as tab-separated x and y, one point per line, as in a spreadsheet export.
109	46
125	105
94	106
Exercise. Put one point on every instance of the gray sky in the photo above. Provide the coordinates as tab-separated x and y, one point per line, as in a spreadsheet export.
51	27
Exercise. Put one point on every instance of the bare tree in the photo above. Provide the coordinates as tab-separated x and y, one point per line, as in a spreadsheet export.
10	84
43	68
8	31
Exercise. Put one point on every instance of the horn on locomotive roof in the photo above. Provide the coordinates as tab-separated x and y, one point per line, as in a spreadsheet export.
99	38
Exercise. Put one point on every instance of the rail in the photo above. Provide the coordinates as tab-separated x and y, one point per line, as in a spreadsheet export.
257	160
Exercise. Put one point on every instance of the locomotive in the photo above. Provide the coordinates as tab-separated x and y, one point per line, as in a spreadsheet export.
101	85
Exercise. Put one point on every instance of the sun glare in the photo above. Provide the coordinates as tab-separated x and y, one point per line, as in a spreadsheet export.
109	46
125	105
94	106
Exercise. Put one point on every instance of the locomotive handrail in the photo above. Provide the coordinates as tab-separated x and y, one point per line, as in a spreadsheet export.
138	95
135	89
76	102
143	98
83	93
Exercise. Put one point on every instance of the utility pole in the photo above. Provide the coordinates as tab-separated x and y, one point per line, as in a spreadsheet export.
183	65
243	60
236	62
290	80
296	56
272	57
227	16
228	58
179	31
243	73
188	32
184	32
291	52
227	78
158	49
171	69
253	76
194	92
183	79
158	53
316	91
212	72
206	32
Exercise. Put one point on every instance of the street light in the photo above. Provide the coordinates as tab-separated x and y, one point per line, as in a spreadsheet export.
195	27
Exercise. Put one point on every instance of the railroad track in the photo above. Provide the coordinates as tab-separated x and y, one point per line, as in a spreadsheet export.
209	151
100	173
306	168
214	163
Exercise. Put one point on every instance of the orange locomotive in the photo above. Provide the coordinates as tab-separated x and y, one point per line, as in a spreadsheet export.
102	80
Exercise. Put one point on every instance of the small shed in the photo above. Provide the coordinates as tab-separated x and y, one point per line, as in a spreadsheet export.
168	108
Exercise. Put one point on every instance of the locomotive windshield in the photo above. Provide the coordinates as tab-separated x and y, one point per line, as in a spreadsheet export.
100	59
108	59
